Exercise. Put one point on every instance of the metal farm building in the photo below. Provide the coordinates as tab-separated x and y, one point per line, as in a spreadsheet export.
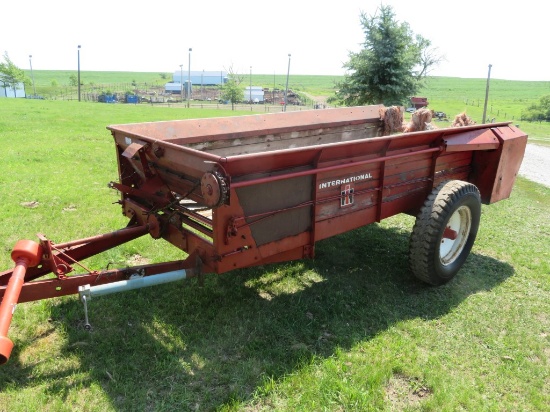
201	78
253	95
198	78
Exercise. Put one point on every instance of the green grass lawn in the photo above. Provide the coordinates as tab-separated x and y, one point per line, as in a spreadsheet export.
350	330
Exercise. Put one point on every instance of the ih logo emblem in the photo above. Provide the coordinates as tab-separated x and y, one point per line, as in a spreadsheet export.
346	195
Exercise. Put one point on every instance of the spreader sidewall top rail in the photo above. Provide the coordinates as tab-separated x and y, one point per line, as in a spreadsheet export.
236	185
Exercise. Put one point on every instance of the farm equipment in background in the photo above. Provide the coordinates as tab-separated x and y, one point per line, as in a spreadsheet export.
244	191
419	102
440	116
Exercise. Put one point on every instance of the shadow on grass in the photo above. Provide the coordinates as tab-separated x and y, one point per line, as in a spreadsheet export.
179	346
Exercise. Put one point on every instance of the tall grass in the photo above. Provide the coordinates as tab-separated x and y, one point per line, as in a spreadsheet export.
349	330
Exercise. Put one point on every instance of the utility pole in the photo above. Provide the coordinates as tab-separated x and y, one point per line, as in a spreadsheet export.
181	81
78	72
486	94
189	80
32	75
286	89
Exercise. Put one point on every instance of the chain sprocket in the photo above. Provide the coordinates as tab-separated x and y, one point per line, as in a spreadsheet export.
214	189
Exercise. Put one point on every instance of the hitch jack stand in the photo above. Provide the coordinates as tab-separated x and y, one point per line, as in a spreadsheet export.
25	253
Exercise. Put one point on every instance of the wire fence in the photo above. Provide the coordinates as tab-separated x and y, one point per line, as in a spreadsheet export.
203	97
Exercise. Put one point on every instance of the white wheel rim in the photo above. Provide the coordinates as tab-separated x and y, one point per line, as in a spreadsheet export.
459	225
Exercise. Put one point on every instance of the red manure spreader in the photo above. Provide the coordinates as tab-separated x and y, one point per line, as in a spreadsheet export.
237	192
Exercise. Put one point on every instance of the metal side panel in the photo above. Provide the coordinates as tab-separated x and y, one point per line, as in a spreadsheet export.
277	209
494	172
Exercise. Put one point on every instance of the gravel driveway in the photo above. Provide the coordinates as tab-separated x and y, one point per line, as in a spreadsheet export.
536	164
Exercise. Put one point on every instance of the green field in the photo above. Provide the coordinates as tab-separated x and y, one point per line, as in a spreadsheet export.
507	101
350	330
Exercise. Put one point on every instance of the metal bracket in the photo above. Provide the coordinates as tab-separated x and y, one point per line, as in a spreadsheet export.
84	292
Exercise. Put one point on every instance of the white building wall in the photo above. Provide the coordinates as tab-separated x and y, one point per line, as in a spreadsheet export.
256	94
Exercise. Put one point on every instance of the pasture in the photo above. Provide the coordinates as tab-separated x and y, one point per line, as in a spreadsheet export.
349	330
507	101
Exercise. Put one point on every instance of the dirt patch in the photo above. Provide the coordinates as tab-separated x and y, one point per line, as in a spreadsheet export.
30	205
404	392
137	260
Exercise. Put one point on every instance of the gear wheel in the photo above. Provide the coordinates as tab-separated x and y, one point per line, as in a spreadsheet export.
214	189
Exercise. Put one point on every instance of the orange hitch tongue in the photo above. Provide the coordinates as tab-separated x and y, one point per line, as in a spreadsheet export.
25	253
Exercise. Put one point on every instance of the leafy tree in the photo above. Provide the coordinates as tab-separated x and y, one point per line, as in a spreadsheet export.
11	75
539	111
73	80
391	66
232	90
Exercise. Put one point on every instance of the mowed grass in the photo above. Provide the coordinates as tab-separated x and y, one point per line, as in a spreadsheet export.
349	330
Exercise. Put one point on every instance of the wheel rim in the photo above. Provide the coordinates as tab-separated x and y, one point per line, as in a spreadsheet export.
455	235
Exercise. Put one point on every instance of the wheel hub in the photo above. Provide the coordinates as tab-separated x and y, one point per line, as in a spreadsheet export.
455	235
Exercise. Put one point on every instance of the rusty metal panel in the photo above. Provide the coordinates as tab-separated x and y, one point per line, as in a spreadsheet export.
183	132
450	165
342	192
377	186
513	149
132	149
275	140
335	226
277	209
472	140
494	172
410	168
406	201
453	160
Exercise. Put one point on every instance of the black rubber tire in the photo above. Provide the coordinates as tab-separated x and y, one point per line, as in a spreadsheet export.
433	257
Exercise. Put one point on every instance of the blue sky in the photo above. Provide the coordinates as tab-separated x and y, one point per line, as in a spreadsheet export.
120	35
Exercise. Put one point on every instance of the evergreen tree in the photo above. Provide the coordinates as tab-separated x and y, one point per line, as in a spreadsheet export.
391	66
